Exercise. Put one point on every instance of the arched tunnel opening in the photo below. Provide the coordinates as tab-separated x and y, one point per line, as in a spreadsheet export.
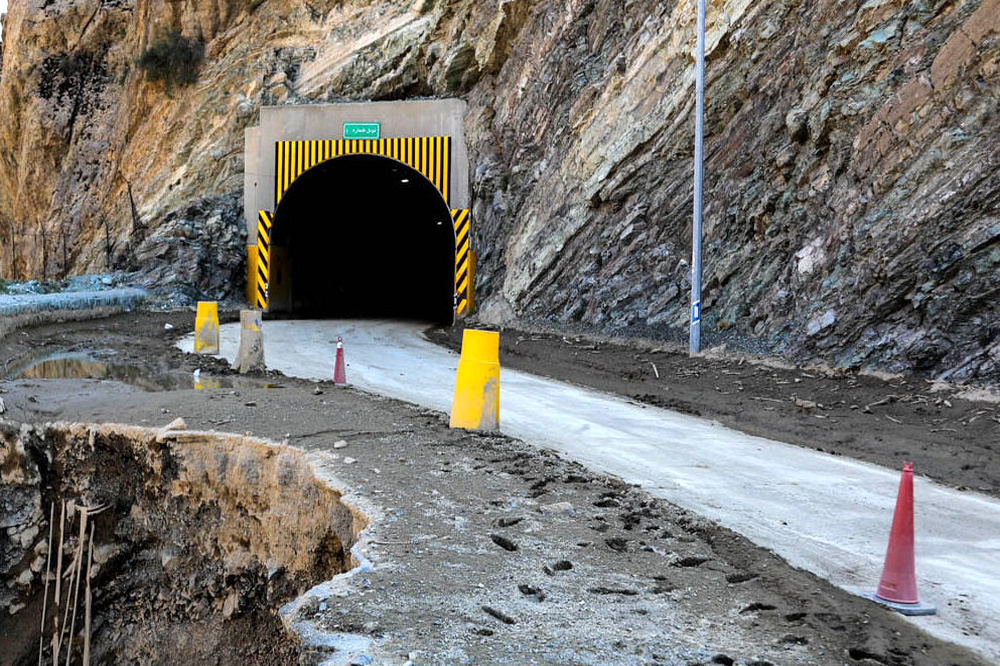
363	236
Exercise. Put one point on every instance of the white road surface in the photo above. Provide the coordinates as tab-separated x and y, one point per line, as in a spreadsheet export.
826	514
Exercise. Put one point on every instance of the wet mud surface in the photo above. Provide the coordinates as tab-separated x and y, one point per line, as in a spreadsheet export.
487	550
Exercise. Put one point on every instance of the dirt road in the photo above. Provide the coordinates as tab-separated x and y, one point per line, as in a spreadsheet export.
827	514
477	558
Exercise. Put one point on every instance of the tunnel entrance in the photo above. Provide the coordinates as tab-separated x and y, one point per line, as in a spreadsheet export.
363	235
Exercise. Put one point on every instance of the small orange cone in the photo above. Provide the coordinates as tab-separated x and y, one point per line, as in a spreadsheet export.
340	372
898	587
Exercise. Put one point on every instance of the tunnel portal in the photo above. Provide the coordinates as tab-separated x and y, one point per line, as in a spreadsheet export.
363	235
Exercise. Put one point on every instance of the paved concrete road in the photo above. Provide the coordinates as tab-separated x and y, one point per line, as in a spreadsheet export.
827	514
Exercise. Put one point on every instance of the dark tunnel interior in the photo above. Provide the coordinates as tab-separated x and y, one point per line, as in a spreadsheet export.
367	236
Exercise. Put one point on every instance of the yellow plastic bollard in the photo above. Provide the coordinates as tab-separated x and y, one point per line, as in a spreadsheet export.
206	328
476	404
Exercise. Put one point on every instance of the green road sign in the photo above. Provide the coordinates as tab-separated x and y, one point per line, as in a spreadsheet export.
361	130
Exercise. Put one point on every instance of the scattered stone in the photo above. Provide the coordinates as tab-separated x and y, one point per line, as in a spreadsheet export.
623	591
3	406
688	562
176	424
532	591
663	586
251	403
508	522
349	461
503	542
37	564
562	565
607	503
340	445
757	606
805	404
740	577
617	544
317	391
503	617
792	639
230	605
556	509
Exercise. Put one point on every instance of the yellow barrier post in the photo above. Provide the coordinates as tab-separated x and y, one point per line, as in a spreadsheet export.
250	356
206	328
476	405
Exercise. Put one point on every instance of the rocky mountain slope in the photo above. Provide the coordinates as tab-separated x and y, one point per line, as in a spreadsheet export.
852	152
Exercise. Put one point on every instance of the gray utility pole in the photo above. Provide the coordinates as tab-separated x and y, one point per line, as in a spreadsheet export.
699	130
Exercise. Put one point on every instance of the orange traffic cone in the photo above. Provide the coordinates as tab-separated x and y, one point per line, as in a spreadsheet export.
898	587
339	371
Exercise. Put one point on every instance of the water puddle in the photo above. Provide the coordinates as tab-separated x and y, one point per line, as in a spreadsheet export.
101	365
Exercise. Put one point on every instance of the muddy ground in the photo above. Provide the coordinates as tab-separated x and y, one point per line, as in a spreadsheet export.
487	550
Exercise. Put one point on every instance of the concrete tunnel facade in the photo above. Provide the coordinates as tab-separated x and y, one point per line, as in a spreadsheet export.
340	226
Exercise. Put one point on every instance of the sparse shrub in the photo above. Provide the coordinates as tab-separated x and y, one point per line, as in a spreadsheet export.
173	59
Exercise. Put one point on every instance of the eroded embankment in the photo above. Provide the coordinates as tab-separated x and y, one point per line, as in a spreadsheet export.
26	310
189	541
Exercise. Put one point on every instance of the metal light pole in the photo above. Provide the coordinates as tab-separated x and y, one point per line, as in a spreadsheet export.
699	130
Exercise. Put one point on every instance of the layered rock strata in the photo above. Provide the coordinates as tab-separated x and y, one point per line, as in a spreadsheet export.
852	207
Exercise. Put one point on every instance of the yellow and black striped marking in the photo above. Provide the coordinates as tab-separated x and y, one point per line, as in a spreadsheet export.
430	155
263	257
463	285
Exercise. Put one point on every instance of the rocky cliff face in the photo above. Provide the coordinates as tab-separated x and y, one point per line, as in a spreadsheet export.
852	193
852	196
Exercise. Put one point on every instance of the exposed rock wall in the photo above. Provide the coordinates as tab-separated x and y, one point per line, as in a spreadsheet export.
852	192
93	158
852	207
